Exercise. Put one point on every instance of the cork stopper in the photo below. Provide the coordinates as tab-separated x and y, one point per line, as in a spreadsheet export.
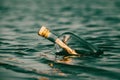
44	32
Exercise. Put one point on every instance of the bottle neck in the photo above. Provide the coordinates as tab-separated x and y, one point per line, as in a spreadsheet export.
44	32
52	37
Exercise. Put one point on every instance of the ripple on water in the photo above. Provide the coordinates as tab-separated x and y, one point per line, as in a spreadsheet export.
26	56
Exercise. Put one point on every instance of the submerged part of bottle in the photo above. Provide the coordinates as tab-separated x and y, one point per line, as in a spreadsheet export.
78	44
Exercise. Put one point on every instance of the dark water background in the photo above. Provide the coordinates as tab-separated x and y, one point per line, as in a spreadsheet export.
26	56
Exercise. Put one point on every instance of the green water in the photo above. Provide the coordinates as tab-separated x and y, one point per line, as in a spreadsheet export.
26	56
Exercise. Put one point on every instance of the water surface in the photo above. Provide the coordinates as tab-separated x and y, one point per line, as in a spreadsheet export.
26	56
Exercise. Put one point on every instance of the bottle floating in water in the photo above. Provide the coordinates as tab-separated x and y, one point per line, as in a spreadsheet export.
44	32
70	44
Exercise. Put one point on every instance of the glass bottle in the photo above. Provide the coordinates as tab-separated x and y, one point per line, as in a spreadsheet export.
70	44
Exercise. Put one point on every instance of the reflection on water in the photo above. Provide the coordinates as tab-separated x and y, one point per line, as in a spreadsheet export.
26	56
